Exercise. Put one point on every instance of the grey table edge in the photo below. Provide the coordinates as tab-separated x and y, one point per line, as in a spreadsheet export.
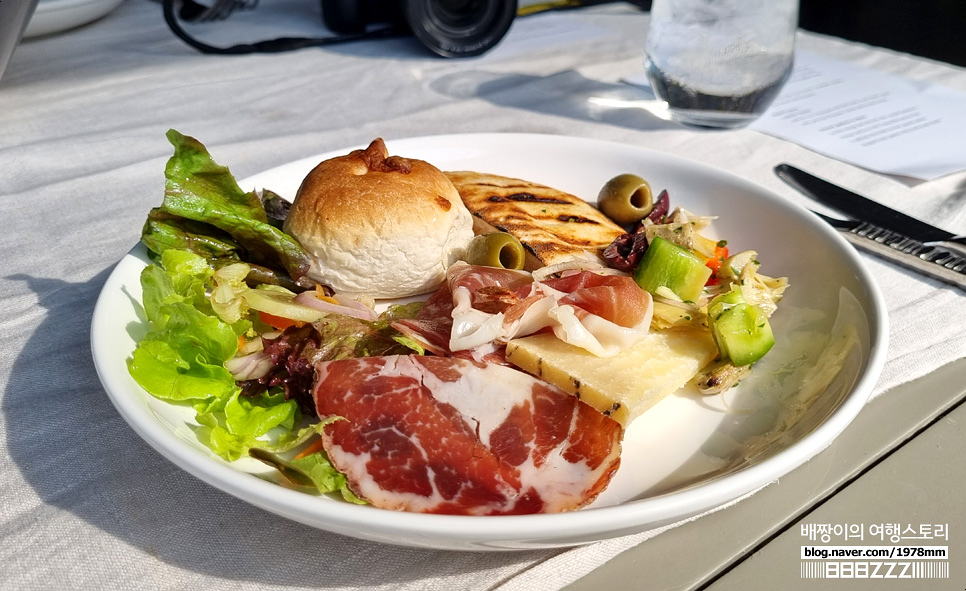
697	554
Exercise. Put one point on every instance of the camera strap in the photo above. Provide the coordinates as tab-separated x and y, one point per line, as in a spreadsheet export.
190	11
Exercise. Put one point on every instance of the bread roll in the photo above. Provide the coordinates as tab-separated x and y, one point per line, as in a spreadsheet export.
381	225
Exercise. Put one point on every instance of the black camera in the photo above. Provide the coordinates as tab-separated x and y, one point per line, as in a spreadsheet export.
450	28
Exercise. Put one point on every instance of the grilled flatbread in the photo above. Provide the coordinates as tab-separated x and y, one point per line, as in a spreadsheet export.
553	226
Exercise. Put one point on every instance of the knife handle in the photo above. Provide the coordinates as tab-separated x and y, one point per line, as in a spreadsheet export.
956	243
928	259
933	252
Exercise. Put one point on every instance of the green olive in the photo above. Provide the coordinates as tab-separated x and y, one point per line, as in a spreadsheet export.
626	199
496	249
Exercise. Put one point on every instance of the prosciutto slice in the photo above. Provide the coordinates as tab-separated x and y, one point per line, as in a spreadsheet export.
482	306
446	435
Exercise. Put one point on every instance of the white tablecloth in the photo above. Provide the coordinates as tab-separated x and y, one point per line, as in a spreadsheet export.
85	503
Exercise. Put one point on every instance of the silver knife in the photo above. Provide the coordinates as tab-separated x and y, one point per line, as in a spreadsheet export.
883	231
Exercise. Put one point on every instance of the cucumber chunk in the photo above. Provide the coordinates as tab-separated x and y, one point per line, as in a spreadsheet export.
741	330
723	301
666	264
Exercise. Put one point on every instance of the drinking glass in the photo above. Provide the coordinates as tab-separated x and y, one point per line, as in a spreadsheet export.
719	63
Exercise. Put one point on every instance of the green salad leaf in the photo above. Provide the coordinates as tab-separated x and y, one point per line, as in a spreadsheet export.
232	425
312	471
205	211
181	358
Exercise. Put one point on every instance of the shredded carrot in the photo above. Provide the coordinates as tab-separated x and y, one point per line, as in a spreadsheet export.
319	293
278	322
313	447
715	262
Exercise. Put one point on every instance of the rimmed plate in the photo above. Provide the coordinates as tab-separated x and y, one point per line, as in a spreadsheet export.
687	455
54	16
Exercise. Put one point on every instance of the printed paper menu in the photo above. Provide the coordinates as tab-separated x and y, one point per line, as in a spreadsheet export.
882	122
866	117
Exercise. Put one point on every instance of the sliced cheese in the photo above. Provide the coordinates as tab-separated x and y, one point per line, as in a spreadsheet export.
623	386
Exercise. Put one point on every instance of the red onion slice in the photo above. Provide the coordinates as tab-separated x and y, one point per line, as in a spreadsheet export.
308	298
250	367
351	303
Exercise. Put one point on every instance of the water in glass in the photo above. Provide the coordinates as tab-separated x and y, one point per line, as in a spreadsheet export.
719	63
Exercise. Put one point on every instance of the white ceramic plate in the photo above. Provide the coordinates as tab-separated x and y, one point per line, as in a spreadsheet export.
54	16
687	455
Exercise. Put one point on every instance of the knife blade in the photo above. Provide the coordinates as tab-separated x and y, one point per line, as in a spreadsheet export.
861	208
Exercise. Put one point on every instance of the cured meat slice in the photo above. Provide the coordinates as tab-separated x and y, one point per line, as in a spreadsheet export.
478	306
432	324
615	298
495	289
445	435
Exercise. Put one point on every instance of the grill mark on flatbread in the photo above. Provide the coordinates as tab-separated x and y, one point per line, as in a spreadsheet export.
525	197
575	218
553	226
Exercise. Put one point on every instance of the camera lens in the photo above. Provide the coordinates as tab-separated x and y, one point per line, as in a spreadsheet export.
459	28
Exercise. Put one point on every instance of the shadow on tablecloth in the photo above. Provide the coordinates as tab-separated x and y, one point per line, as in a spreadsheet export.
79	455
566	93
